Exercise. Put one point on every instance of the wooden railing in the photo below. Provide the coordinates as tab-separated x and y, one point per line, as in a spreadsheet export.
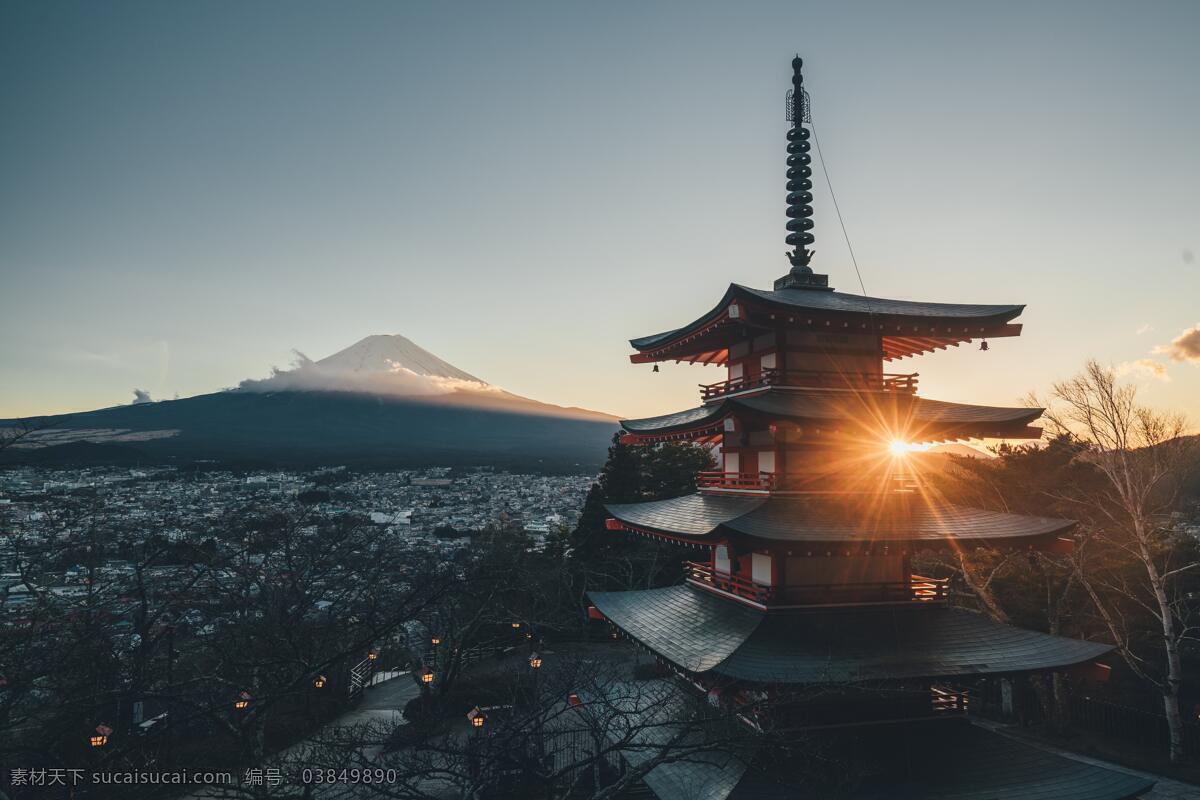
917	589
733	584
755	481
947	701
872	381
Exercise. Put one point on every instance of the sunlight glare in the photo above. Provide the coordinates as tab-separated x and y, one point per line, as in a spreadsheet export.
900	448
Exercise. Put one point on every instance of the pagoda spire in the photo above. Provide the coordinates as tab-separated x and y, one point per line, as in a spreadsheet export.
799	187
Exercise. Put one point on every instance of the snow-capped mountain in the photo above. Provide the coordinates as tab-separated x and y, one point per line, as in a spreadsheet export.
387	366
383	353
382	401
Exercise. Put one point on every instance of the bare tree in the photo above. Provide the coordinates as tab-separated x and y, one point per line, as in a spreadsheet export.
1143	457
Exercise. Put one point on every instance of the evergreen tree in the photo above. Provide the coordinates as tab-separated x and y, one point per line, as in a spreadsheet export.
601	558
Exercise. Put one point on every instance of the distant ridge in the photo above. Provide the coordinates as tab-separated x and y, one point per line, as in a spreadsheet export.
383	402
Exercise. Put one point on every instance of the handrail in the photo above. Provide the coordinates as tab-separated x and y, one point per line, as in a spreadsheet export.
759	481
873	381
917	589
733	584
949	701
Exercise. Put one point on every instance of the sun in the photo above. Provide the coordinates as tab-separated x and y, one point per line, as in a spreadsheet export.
900	448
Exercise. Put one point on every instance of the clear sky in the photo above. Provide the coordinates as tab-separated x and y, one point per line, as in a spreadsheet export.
190	190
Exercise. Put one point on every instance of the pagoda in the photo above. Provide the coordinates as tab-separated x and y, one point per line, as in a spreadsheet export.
802	613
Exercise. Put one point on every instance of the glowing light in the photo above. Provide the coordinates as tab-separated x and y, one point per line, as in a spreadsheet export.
900	448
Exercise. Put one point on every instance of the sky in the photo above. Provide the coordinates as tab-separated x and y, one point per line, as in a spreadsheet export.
191	191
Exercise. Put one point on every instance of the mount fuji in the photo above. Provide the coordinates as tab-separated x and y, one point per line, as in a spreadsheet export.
384	401
382	353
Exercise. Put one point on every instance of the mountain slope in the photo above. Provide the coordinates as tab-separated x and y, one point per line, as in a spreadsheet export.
382	401
317	428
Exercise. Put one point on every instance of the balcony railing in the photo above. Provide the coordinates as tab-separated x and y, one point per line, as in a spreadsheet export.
917	589
733	584
748	481
871	381
948	701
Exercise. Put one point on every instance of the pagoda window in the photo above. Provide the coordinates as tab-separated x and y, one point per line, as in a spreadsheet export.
732	462
768	361
721	559
766	461
735	370
749	462
760	568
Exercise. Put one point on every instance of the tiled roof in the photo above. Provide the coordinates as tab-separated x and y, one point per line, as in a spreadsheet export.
898	413
702	632
826	302
943	759
960	761
830	520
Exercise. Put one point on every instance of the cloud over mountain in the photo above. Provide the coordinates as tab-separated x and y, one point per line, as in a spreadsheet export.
378	365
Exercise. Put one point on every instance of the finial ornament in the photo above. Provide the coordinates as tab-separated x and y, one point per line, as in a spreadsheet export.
799	187
799	173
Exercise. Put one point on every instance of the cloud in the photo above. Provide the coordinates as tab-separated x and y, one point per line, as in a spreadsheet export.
1145	326
1184	347
141	396
307	375
1145	366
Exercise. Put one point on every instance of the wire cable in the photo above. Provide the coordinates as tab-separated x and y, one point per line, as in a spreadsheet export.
842	222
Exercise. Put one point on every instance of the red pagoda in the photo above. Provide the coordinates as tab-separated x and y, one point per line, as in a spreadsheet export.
803	613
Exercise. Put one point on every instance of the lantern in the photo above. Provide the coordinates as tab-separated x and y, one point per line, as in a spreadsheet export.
476	717
426	675
242	701
319	682
535	661
435	640
516	625
100	737
373	654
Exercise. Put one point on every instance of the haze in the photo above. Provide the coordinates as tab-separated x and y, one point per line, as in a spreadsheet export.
188	192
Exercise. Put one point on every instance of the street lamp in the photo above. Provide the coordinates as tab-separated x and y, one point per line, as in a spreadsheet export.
372	654
319	682
426	675
242	701
476	717
516	625
535	661
100	737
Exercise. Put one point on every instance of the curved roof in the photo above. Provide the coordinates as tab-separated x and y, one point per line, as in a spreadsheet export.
914	418
705	517
908	327
972	763
701	632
